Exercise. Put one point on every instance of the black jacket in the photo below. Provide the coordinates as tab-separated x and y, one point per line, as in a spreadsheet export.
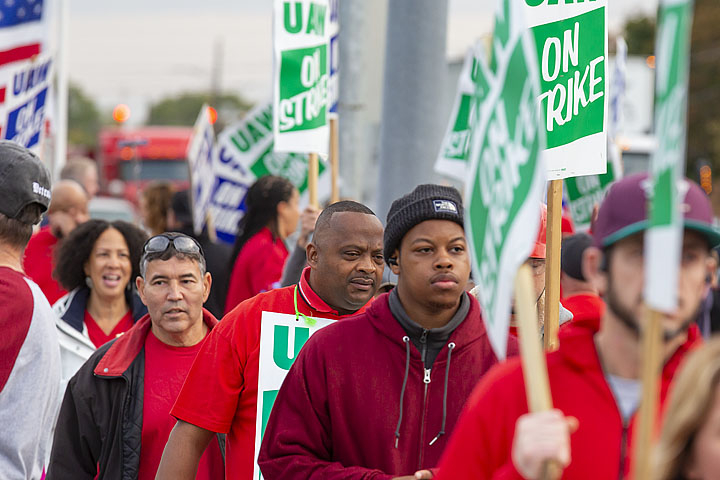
99	428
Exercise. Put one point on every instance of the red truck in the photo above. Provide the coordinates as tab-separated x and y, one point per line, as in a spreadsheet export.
130	158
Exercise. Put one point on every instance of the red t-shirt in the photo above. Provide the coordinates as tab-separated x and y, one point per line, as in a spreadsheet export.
258	268
220	391
165	370
96	334
38	263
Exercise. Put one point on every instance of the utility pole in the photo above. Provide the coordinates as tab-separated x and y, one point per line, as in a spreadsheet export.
413	120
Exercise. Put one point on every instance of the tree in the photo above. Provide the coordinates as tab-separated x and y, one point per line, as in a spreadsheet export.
83	119
183	109
640	35
704	97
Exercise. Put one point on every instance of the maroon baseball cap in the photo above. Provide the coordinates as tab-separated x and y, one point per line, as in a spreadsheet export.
623	212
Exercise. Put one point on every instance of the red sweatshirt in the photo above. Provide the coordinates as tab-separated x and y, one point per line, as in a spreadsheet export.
38	263
336	414
482	444
258	268
220	392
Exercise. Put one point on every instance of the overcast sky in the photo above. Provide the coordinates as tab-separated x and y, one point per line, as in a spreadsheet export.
137	51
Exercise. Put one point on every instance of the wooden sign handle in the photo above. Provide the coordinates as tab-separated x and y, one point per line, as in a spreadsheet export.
334	160
552	265
537	384
313	168
644	441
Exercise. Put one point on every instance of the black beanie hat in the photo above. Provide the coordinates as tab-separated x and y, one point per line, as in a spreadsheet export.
571	254
426	202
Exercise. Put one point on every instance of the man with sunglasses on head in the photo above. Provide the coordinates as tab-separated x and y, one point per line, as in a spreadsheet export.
345	261
115	420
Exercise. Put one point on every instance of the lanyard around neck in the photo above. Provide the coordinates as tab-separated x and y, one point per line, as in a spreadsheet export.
309	321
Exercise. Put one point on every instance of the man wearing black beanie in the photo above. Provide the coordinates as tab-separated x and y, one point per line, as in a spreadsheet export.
378	395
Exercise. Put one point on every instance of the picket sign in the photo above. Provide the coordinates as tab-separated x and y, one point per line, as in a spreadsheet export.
585	192
571	43
200	156
663	238
472	86
281	338
25	88
301	75
245	153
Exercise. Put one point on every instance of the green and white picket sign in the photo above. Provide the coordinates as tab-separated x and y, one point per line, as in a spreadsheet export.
453	158
244	154
301	75
281	338
571	42
663	240
584	192
200	156
507	180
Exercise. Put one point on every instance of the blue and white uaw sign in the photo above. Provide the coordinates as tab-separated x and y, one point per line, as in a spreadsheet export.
22	114
200	155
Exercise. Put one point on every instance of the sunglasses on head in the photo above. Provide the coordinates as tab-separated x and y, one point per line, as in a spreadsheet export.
182	244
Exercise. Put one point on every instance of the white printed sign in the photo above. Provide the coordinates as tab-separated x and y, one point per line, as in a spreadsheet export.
281	338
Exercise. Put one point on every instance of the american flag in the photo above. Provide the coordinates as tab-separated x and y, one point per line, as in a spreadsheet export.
23	32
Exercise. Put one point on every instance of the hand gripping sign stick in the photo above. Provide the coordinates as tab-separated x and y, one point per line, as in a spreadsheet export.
334	159
552	265
537	384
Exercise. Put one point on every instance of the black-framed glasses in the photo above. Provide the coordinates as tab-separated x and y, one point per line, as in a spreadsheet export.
182	243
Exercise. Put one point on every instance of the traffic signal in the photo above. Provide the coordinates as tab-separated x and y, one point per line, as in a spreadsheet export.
121	113
706	178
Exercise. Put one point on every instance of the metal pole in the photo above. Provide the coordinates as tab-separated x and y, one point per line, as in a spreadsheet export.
415	70
61	93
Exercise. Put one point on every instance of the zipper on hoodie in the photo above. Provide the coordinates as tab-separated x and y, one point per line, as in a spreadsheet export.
426	381
623	448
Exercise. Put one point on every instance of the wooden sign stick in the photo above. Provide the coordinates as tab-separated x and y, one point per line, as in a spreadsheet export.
313	169
334	160
652	345
552	265
537	383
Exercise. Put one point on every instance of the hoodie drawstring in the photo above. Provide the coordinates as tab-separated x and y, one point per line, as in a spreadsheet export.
451	345
406	340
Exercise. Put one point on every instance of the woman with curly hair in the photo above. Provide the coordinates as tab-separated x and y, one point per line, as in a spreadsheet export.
689	446
259	254
97	263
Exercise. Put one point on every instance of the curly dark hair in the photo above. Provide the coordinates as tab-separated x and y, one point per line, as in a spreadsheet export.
74	251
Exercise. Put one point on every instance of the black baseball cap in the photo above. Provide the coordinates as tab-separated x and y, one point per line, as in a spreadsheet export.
24	180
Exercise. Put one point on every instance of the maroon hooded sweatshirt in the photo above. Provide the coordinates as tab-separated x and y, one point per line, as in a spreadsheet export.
359	404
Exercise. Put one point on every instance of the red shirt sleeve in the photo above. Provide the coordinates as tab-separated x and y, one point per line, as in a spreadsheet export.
209	396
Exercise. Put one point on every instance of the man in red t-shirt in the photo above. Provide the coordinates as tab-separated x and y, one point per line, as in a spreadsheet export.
220	393
68	208
115	417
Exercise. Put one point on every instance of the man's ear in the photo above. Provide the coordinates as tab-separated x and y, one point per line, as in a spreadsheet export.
394	262
140	285
592	268
311	253
207	284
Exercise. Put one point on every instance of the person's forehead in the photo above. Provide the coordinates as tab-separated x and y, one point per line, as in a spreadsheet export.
110	237
344	224
435	229
173	267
